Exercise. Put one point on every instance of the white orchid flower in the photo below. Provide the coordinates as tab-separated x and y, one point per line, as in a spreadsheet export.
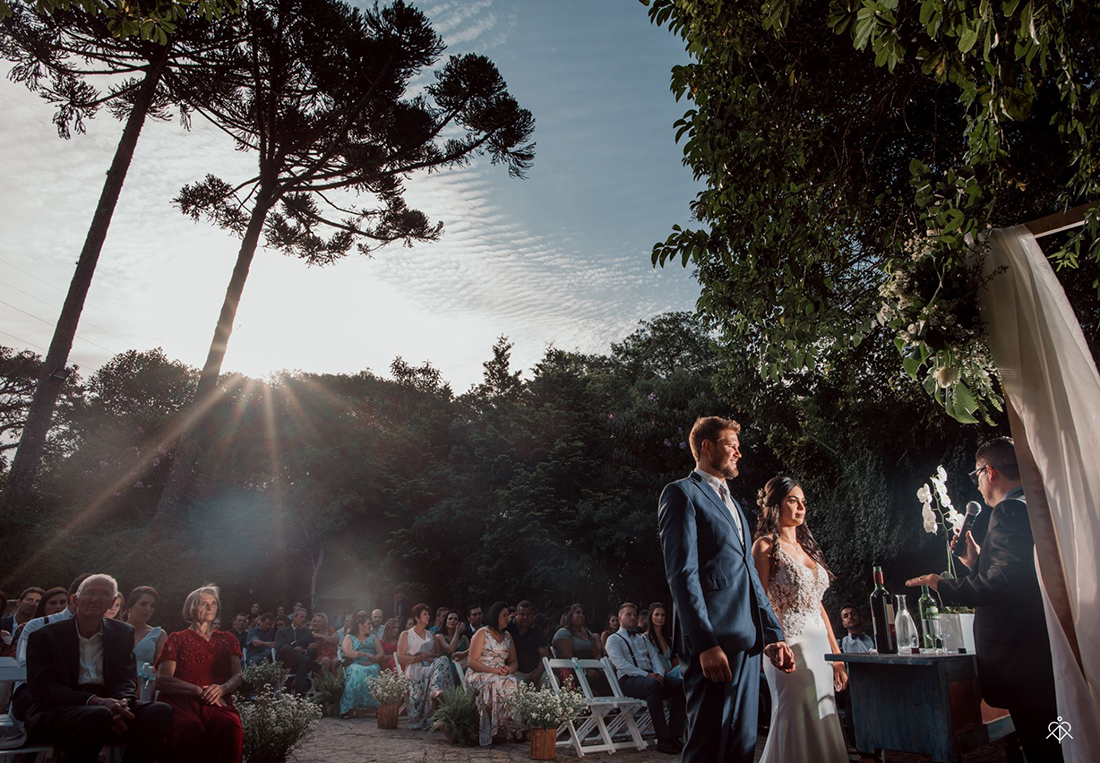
942	474
956	519
941	494
924	495
929	517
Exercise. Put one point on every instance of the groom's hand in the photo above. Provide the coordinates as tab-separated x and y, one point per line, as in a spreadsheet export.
715	664
781	656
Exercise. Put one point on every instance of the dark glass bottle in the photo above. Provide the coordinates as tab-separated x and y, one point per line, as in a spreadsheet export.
880	616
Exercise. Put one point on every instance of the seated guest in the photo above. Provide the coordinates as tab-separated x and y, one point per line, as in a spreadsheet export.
542	622
5	646
25	606
612	627
254	613
491	675
52	602
575	640
346	622
388	641
148	641
367	657
440	617
281	622
197	673
474	617
410	621
530	643
856	642
116	607
377	623
239	628
82	683
261	640
431	673
658	616
641	675
20	696
325	642
453	642
280	612
292	647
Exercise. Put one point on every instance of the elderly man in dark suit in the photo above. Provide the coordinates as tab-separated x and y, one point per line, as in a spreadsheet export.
83	683
1015	668
725	620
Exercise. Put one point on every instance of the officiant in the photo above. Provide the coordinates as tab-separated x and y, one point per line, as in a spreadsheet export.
1015	669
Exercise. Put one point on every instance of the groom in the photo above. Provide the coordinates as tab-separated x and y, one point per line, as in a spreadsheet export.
725	619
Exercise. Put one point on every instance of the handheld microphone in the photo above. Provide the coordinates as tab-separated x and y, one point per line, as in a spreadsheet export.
958	546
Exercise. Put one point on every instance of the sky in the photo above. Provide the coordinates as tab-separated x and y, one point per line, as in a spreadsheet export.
561	258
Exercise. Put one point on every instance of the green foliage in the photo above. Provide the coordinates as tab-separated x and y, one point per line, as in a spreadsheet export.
833	135
152	20
328	689
458	717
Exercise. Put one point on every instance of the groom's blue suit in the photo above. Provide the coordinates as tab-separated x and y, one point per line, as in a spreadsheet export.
717	601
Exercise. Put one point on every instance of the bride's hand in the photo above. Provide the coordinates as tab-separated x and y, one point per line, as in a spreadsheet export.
840	676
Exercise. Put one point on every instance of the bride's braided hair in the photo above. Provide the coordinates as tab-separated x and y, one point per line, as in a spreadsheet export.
769	500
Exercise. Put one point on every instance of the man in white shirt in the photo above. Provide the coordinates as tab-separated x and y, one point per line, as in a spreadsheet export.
83	683
856	642
641	674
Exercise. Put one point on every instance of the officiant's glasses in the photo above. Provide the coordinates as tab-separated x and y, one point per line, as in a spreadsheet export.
974	474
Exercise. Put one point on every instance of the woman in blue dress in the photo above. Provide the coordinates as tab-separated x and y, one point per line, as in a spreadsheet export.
366	657
148	640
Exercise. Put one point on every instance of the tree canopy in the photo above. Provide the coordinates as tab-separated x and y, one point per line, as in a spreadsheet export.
152	20
851	149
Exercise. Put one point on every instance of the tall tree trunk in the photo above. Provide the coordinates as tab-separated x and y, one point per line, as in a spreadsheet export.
317	561
33	441
172	500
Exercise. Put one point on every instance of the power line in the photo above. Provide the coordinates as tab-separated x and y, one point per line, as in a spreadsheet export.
91	307
32	315
24	341
55	307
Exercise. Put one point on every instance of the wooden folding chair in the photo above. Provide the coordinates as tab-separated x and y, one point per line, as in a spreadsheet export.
603	718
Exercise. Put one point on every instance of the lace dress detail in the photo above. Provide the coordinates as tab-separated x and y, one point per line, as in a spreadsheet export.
795	592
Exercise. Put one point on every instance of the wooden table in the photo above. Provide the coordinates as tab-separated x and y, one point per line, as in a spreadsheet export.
922	703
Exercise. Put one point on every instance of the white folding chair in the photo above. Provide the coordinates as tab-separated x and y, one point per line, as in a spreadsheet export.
595	729
461	676
640	712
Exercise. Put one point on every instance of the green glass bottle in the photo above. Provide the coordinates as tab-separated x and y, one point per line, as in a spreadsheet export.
929	619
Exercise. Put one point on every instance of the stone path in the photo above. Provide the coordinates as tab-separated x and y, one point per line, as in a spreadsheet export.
361	741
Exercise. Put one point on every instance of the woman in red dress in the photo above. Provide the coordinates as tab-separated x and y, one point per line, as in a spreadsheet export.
389	643
198	670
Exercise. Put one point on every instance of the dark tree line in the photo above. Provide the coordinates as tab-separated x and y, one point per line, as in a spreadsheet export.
538	485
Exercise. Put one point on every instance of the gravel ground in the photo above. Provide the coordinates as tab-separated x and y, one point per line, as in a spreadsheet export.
359	740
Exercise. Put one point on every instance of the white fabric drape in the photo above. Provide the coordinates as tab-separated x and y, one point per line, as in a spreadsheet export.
1050	378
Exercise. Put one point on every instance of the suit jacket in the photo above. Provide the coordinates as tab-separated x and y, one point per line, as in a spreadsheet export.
716	594
291	636
1010	630
53	665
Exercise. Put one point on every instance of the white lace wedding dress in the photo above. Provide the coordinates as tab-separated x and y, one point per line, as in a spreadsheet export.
804	722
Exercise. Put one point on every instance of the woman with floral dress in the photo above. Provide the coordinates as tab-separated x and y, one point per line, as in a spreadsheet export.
491	674
366	655
431	674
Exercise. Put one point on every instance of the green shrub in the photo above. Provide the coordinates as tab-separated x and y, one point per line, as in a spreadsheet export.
458	717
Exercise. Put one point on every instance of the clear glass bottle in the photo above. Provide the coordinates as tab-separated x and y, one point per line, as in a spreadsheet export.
905	628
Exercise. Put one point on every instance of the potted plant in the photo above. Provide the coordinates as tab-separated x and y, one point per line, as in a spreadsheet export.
543	711
390	689
258	675
274	724
328	689
458	717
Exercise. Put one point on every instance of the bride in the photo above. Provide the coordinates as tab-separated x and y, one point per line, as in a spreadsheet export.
804	722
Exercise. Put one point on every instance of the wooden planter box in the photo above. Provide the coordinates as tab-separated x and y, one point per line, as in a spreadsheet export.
543	743
387	716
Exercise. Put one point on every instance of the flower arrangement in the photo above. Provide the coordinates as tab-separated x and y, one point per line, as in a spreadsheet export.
274	724
545	708
259	675
942	513
389	688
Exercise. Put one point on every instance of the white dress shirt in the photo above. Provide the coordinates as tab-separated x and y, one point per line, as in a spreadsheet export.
91	657
632	654
722	489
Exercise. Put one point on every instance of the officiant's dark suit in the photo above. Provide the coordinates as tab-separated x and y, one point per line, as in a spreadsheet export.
1015	670
59	712
717	601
